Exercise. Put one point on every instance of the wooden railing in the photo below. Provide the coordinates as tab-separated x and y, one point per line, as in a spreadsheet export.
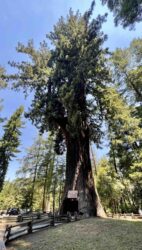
34	223
27	227
20	218
124	215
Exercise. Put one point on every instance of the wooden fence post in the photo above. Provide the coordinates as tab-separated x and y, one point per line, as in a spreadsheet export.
8	232
52	222
68	217
38	215
30	227
19	218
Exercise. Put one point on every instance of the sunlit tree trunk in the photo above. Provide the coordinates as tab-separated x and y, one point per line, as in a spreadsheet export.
79	175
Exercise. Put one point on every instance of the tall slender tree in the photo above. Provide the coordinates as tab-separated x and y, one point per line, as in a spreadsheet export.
31	164
2	85
127	149
10	142
45	173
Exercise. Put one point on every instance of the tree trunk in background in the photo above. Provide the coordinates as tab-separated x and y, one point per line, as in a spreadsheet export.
47	204
45	190
60	194
33	188
44	197
79	176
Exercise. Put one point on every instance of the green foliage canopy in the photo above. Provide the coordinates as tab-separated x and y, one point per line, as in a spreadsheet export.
125	12
68	78
10	142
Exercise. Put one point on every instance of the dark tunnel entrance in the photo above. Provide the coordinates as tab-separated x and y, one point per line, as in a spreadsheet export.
70	205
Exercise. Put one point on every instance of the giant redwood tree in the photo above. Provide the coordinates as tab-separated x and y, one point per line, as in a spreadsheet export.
69	81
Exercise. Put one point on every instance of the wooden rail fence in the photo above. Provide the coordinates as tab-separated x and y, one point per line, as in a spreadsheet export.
30	224
14	226
124	215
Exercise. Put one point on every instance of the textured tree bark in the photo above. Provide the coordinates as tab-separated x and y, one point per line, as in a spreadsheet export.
79	176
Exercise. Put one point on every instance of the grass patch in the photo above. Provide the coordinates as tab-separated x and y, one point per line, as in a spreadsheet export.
89	234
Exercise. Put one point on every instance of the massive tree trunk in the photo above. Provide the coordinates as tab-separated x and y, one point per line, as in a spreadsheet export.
79	175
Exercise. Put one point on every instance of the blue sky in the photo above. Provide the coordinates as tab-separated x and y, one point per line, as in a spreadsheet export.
22	20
